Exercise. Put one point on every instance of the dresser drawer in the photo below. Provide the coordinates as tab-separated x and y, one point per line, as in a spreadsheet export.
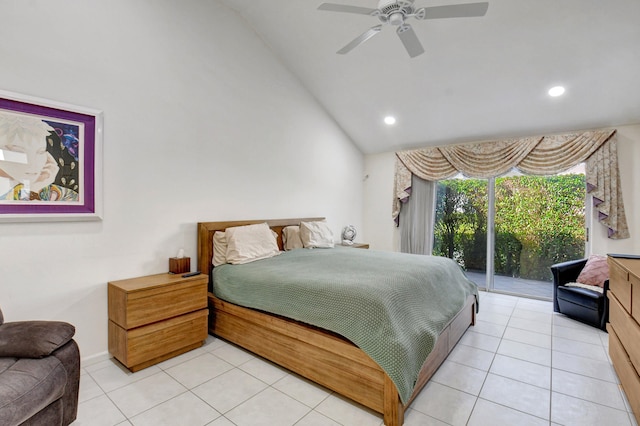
145	306
627	330
625	371
635	296
619	284
147	345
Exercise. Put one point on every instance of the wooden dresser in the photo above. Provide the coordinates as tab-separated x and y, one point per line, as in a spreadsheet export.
156	317
624	326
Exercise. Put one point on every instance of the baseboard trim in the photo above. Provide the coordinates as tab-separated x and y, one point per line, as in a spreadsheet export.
94	359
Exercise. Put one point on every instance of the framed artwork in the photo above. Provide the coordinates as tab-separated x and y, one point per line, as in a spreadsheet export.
50	160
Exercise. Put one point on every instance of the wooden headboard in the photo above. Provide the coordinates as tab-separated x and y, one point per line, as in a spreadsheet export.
207	229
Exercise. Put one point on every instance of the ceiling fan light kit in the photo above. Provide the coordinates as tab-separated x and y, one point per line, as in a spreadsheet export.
394	12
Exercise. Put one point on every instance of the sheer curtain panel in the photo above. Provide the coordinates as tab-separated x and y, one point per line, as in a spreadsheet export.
417	218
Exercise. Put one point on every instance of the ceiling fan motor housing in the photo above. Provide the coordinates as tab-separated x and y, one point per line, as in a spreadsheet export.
394	12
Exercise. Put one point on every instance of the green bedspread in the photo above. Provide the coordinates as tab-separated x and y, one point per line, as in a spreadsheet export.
391	305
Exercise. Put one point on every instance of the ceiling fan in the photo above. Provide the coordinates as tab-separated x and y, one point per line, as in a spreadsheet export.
396	12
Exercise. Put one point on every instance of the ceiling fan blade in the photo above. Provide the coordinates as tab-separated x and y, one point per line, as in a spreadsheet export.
410	40
332	7
465	10
360	39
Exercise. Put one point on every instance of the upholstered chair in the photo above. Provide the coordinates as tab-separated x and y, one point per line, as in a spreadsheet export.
585	302
39	373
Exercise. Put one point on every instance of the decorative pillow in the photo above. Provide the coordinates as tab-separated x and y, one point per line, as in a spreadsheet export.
33	339
316	234
291	237
595	271
587	286
219	248
251	242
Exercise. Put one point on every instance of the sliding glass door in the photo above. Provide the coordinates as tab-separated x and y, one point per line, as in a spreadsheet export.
522	224
460	228
539	221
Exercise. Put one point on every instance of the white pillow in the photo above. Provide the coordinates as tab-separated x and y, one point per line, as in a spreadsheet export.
219	248
291	237
316	234
251	242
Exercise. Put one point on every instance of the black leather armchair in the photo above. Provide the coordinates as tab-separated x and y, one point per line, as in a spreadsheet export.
585	305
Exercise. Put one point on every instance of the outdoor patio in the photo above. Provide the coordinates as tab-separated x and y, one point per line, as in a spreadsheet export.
532	288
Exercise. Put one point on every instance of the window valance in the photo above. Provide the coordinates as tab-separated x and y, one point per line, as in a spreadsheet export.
540	155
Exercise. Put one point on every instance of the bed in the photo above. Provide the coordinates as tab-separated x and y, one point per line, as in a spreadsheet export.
317	354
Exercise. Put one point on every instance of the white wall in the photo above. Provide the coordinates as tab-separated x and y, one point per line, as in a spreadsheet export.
378	194
381	231
202	123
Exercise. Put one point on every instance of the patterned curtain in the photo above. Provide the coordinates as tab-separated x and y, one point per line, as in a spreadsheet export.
543	155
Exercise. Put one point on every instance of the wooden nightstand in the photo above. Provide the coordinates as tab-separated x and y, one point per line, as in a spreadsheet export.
156	317
355	245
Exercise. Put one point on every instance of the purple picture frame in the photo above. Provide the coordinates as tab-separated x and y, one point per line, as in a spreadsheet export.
86	145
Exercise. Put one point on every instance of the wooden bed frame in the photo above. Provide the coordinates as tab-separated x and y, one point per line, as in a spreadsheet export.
316	354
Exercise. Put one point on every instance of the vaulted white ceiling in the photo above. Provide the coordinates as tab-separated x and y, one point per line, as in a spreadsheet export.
479	79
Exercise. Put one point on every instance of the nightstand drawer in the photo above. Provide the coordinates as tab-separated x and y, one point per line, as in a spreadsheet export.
173	296
144	346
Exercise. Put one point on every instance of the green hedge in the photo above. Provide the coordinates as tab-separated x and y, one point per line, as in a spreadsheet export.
539	222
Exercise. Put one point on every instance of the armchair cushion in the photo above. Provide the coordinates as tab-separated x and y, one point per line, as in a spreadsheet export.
587	286
33	339
28	386
579	298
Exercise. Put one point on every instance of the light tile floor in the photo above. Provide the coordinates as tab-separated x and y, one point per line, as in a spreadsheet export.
520	365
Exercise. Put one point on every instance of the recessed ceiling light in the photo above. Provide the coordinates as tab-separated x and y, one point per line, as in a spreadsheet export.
556	91
389	120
